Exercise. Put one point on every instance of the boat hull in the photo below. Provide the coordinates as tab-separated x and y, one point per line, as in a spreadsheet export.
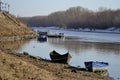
42	38
56	57
60	35
54	36
97	67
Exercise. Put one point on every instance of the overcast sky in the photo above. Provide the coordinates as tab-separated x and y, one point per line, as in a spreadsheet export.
45	7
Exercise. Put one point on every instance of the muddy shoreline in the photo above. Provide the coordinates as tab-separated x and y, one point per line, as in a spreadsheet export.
27	67
21	66
16	38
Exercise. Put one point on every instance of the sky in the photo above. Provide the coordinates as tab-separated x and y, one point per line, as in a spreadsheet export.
27	8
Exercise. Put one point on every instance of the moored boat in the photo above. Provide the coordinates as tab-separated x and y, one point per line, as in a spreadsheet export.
56	57
60	35
97	67
42	38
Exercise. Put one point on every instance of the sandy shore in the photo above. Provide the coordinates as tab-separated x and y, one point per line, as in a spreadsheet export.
14	66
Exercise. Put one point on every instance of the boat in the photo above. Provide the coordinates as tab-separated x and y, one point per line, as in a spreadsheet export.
42	38
56	57
60	35
97	67
42	33
51	34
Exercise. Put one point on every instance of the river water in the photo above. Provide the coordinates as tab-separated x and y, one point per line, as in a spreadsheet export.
83	46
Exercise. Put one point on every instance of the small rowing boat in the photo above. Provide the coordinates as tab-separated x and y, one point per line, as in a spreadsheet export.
56	57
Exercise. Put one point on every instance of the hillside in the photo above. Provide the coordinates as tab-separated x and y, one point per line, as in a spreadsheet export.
10	26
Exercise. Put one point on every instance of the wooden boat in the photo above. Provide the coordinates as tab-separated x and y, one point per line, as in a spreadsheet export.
56	57
97	67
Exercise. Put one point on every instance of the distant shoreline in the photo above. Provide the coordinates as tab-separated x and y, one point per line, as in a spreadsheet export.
82	30
96	31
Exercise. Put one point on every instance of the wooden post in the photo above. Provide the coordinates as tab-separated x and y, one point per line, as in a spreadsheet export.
8	8
5	7
0	5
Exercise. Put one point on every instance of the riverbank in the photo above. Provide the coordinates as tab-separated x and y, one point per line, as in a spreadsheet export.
19	37
14	66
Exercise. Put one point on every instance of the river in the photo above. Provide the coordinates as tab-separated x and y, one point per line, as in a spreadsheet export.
83	46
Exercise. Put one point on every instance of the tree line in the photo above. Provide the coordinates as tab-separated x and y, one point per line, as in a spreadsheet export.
78	17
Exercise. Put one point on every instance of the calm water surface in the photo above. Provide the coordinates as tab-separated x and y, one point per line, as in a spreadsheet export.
83	46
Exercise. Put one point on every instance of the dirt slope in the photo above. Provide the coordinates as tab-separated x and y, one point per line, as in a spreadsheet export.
25	67
10	26
12	68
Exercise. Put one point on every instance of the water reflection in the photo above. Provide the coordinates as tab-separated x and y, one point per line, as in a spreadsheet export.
108	48
79	46
13	45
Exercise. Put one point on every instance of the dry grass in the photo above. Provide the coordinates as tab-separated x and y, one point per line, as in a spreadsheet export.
12	68
10	26
22	67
